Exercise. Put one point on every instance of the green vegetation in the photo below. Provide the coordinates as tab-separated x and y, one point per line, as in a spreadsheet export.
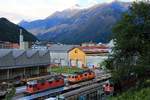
130	61
10	32
10	94
131	54
139	93
66	70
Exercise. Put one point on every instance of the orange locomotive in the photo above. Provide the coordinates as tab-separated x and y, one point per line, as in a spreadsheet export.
44	83
34	86
81	76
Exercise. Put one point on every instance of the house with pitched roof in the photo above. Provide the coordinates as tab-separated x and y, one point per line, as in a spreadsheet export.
88	56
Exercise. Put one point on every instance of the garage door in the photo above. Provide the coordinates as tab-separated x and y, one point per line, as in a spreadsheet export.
79	64
73	63
63	63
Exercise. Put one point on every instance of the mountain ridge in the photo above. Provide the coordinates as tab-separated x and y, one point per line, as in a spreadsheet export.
10	32
79	25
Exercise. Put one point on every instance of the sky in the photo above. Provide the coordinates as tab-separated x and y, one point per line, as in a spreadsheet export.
17	10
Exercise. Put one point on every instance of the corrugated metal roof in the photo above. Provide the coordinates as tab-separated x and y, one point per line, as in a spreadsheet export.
16	52
61	48
95	49
24	58
30	53
4	52
43	52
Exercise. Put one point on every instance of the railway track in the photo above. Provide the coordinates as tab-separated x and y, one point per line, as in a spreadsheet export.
22	96
21	89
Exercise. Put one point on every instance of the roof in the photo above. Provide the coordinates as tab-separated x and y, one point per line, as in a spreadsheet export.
4	52
30	53
61	48
43	52
95	49
16	52
16	58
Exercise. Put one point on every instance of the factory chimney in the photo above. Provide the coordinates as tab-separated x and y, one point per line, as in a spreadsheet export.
23	45
21	40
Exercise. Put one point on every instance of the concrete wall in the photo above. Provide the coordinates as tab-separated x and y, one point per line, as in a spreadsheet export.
60	58
95	60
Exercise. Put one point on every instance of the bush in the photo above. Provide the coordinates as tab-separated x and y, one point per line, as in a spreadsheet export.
67	70
137	94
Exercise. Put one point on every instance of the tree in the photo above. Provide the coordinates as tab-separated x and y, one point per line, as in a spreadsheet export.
132	41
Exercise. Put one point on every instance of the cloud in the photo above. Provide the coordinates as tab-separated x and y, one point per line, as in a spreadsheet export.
17	10
33	9
92	2
12	16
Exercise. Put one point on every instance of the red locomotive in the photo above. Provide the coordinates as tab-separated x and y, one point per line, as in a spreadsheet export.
42	84
34	86
81	76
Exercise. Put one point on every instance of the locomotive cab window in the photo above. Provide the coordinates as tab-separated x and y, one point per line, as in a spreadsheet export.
30	86
35	85
50	82
76	76
57	80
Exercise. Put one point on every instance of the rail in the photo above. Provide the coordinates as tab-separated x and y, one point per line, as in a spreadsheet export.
66	88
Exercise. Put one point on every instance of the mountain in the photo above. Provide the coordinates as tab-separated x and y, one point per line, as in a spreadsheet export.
10	32
74	26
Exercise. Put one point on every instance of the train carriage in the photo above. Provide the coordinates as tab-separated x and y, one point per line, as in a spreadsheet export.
39	85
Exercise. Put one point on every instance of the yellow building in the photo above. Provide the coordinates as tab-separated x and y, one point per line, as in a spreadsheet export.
88	56
77	57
